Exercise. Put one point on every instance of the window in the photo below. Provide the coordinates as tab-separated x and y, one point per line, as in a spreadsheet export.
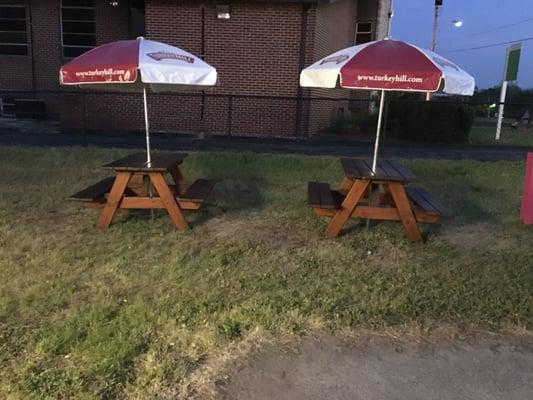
137	25
77	27
363	32
13	35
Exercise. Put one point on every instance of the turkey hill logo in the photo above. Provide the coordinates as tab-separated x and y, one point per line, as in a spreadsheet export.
336	59
164	55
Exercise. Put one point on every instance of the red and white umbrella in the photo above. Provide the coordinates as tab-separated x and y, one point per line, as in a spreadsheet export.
388	65
135	65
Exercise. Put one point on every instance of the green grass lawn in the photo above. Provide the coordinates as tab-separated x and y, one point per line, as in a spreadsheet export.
132	311
508	136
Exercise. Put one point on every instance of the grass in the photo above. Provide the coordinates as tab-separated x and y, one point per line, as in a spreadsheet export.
131	312
508	136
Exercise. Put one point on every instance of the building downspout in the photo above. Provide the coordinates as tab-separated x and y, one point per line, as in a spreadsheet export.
202	56
30	21
301	65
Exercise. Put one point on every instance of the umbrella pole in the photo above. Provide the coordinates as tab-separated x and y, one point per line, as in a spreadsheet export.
148	156
376	148
378	132
147	128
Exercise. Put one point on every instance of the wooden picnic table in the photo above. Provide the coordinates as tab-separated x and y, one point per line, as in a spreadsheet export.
383	195
137	185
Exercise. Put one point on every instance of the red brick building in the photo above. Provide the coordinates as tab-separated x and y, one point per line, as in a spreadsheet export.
258	48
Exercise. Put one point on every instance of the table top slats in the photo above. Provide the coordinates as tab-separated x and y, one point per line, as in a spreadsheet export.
404	171
356	168
385	170
161	162
382	172
393	173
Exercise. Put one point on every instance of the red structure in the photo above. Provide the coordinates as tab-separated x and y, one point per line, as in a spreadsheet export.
258	48
526	212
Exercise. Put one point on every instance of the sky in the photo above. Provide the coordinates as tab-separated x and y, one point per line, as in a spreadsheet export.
413	21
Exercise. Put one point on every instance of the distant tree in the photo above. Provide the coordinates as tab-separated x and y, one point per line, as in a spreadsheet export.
518	100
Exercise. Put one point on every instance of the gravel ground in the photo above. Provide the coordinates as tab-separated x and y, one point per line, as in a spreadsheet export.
325	369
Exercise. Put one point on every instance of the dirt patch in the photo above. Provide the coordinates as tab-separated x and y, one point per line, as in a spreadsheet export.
387	255
271	233
322	369
478	235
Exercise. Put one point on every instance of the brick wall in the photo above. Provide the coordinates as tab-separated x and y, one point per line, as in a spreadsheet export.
112	23
334	30
46	43
257	53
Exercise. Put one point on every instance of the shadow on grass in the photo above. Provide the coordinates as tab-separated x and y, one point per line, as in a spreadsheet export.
232	195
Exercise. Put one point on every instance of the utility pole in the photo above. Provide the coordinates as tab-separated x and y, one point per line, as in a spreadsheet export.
438	5
389	24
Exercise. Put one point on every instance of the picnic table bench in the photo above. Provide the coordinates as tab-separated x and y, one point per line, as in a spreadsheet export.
139	185
383	195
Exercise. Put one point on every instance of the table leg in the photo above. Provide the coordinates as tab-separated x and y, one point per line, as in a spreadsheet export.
168	199
403	206
345	185
353	197
113	200
137	184
179	180
373	199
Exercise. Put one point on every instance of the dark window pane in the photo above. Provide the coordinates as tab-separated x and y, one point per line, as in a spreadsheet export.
363	38
12	25
78	3
11	2
79	40
13	12
13	40
78	14
78	27
13	50
13	37
364	27
137	4
74	51
137	24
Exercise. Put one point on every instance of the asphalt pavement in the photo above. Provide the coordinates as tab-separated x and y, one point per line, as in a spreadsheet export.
46	135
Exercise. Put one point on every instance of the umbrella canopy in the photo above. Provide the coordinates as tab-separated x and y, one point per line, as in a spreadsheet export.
141	62
134	65
388	65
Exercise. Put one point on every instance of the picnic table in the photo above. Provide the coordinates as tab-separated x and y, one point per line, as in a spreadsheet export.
137	185
383	195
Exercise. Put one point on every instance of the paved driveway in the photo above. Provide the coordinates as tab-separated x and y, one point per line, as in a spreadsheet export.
325	369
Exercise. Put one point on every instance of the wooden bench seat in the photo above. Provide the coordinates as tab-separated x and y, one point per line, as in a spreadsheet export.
319	195
96	192
198	191
423	200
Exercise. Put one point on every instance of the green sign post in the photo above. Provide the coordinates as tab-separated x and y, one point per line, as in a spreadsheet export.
512	61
